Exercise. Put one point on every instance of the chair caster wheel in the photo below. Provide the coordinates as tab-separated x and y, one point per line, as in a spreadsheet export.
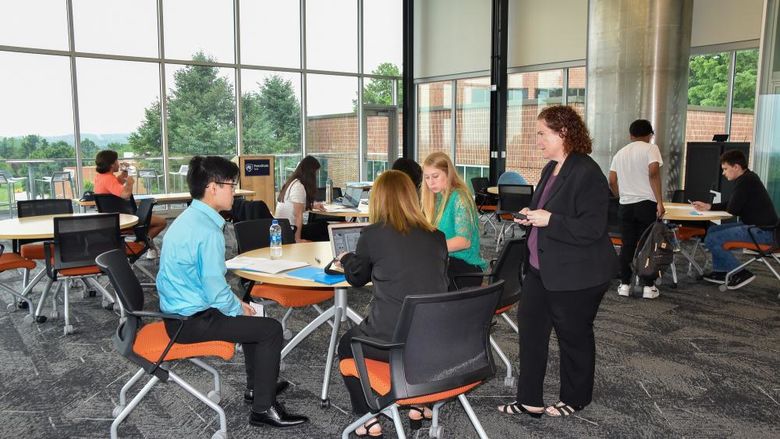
67	329
214	396
108	306
40	319
117	410
23	305
435	432
509	381
10	307
219	435
325	403
723	288
287	334
92	293
28	319
54	315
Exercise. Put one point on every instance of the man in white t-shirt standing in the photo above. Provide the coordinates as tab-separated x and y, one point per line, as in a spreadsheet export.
635	177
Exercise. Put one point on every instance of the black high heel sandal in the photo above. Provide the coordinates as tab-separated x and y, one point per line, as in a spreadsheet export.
416	424
368	427
513	408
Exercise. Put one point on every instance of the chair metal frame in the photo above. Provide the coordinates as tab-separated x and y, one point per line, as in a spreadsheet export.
58	177
12	261
487	212
6	179
55	264
757	251
115	265
502	268
400	388
511	198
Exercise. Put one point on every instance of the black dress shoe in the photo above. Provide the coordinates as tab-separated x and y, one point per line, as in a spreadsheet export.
281	386
276	416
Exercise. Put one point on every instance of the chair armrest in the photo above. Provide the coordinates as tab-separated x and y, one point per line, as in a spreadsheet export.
360	362
47	246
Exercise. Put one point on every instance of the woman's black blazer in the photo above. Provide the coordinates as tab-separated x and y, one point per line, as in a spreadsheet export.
575	251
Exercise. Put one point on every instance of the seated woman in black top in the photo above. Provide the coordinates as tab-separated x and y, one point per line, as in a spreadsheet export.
402	254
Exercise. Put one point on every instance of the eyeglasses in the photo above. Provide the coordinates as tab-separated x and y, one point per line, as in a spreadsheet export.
232	185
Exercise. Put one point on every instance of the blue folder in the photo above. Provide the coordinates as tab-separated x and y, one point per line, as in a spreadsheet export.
316	274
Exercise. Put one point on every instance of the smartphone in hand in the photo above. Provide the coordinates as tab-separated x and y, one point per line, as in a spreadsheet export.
520	216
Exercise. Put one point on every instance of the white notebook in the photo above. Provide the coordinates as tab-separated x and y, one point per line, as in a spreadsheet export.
263	265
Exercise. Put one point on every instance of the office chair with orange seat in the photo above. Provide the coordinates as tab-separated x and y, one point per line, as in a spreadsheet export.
440	350
251	235
758	252
78	240
505	268
12	261
109	203
149	346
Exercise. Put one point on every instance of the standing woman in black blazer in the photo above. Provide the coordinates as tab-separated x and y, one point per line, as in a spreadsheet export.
569	266
402	254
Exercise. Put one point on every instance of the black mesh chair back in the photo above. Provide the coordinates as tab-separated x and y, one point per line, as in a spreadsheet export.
78	240
251	235
445	342
513	197
52	206
244	210
320	196
110	203
481	195
144	214
682	196
507	269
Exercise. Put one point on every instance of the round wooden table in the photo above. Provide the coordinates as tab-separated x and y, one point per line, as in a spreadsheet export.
42	227
492	190
344	212
316	254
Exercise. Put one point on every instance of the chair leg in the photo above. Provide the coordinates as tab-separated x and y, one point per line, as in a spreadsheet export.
509	380
472	416
511	323
45	292
68	328
215	394
435	430
399	426
205	399
123	392
130	407
286	332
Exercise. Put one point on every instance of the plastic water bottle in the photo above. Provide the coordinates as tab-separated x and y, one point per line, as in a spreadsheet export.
329	191
275	232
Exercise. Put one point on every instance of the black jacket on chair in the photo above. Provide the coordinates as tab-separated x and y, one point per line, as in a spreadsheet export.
575	251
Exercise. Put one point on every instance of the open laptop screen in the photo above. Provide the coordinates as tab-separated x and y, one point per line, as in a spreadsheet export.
344	237
352	196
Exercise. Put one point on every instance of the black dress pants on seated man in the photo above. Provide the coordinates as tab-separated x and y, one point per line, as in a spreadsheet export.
635	218
260	337
571	313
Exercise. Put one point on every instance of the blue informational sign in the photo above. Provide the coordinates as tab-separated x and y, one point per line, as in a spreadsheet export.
256	168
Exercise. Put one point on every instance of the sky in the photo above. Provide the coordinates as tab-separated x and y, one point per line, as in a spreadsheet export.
35	90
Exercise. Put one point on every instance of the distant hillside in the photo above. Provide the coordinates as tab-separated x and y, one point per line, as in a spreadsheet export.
101	140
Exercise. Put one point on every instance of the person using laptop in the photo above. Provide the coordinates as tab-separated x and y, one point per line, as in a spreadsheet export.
297	196
449	205
191	282
402	254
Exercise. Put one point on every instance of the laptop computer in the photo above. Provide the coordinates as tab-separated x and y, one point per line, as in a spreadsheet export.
344	238
351	197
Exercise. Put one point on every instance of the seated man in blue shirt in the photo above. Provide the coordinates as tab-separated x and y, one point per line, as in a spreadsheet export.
191	282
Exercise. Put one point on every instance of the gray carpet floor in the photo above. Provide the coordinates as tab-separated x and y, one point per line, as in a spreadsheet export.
695	362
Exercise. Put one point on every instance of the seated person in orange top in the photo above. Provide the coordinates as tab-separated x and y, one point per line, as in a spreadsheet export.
106	164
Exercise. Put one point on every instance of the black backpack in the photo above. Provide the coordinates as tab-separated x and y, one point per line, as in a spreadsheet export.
654	251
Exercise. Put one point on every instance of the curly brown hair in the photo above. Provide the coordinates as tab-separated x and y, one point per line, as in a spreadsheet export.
569	125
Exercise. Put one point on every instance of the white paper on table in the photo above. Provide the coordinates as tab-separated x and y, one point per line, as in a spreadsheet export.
264	265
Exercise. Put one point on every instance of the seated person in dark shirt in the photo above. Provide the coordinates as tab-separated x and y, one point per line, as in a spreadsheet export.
402	254
410	168
751	203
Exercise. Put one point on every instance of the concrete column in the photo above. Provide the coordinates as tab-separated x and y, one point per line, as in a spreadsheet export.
638	69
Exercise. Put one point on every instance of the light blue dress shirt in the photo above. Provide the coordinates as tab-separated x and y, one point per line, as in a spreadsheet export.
192	265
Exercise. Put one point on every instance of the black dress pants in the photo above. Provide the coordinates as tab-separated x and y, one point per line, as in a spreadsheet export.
260	337
571	313
359	404
457	266
634	220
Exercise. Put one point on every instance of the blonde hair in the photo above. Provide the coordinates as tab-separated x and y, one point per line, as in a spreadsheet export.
394	202
455	184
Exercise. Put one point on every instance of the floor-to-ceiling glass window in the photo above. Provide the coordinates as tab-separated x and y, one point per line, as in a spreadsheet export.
472	128
434	118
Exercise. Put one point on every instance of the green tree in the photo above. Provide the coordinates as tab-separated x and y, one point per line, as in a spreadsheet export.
201	108
380	91
271	118
708	79
88	149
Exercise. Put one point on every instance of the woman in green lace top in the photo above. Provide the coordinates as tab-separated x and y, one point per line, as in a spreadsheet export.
448	205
